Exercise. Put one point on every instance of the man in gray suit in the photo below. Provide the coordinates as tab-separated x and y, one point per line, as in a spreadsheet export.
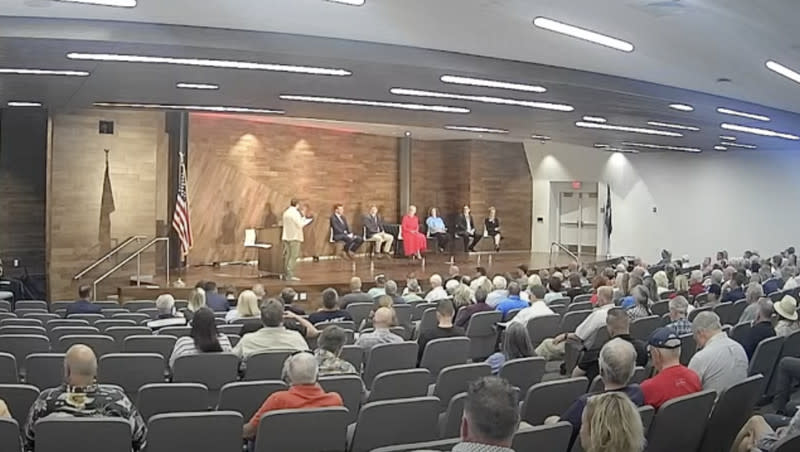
375	232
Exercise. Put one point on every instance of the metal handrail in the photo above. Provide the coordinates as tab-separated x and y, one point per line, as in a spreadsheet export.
137	254
108	255
562	247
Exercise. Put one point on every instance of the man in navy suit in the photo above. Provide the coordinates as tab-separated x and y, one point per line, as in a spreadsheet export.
341	231
83	305
215	301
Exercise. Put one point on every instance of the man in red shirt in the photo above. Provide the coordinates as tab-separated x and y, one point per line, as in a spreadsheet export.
673	379
304	392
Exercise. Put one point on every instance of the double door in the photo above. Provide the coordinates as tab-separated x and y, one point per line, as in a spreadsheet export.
577	226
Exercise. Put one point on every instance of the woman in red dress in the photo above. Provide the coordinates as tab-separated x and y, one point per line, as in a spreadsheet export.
414	242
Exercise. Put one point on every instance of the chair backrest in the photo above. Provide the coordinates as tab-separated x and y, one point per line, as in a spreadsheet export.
482	333
450	421
582	297
288	430
354	355
107	434
31	304
179	331
191	432
43	317
643	327
384	357
211	369
245	397
135	316
137	305
660	308
688	348
680	423
107	304
161	344
553	437
120	333
404	313
396	421
441	353
22	345
428	321
91	318
789	444
24	312
647	413
9	435
441	444
730	413
543	327
58	305
60	331
19	399
666	294
420	308
551	398
572	319
359	311
101	344
9	373
725	313
44	370
512	313
349	387
108	313
740	332
105	324
131	371
265	365
523	372
580	306
696	311
22	329
765	358
160	398
7	315
21	322
55	323
563	300
736	311
455	379
400	384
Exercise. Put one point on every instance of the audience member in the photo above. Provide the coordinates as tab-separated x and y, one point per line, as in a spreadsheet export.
673	379
491	416
462	297
618	326
758	435
466	313
380	287
215	301
513	301
273	336
786	309
196	300
413	292
83	305
611	423
4	411
641	306
246	307
678	311
499	292
752	295
327	353
575	285
437	292
720	362
479	278
736	291
681	287
662	282
203	338
696	286
393	292
167	315
330	311
304	392
516	344
381	321
537	308
450	287
554	286
261	293
289	297
81	396
791	277
786	376
776	284
443	329
355	295
713	295
761	329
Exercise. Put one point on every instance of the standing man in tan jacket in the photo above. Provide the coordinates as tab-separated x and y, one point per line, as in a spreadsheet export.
293	223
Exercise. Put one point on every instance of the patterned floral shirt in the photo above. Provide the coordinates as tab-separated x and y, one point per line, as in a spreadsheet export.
91	401
330	364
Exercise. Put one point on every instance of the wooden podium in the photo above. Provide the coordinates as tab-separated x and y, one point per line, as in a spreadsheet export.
270	261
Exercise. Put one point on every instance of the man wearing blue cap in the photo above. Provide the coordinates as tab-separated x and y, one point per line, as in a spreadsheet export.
673	379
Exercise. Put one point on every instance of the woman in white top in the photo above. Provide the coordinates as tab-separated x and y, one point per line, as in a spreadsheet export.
246	307
662	282
204	338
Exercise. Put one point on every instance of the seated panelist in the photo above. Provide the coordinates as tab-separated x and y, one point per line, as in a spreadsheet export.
465	229
492	225
375	232
437	229
341	231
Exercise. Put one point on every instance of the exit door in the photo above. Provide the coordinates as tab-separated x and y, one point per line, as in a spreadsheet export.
578	221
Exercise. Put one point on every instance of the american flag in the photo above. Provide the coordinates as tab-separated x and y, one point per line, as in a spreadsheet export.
180	220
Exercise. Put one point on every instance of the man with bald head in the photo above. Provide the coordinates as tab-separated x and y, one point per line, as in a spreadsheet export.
382	321
81	396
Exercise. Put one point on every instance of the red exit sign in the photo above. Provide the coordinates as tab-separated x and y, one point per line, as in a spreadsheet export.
576	185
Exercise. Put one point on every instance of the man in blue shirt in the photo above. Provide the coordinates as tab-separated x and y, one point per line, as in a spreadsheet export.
215	301
83	305
513	301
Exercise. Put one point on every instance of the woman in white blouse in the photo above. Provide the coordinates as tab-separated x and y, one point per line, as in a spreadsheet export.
246	307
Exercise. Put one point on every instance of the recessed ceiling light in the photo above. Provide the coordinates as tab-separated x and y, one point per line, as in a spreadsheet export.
670	125
728	111
784	71
759	131
117	3
487	83
681	107
349	2
720	148
661	146
599	119
374	103
582	33
214	108
643	130
541	137
621	150
19	103
18	71
727	138
482	99
188	85
204	62
740	145
476	129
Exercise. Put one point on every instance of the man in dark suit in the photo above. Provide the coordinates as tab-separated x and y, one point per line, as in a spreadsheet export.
374	232
83	305
341	231
465	229
215	301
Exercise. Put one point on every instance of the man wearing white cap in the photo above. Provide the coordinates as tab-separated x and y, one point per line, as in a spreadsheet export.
787	316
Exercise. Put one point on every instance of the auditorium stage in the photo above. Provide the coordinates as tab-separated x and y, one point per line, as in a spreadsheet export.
336	273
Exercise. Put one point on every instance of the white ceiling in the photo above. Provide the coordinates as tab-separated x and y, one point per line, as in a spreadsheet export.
682	43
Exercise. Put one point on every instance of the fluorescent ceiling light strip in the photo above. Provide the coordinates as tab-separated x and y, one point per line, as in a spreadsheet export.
374	103
204	62
661	146
740	145
189	85
213	108
601	145
117	3
349	2
759	131
624	151
727	138
643	130
670	125
476	129
720	148
482	99
743	114
595	119
487	83
20	71
784	71
582	33
541	137
19	103
681	107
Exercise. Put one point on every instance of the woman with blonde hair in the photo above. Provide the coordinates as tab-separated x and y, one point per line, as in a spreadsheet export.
196	301
662	282
611	423
246	307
